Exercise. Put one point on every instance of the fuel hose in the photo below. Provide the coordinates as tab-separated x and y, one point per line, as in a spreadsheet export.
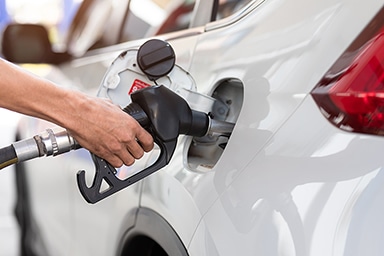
51	142
7	156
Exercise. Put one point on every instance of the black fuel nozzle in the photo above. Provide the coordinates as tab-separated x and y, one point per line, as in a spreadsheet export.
165	115
169	114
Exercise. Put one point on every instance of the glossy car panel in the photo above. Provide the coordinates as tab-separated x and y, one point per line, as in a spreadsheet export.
275	62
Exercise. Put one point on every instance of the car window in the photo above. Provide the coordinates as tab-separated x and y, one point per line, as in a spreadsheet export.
228	7
170	16
101	23
96	24
151	17
178	18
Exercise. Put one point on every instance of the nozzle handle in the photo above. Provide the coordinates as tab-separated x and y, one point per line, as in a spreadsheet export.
106	172
165	115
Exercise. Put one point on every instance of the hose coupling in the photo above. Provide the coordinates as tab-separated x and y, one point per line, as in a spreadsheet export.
54	142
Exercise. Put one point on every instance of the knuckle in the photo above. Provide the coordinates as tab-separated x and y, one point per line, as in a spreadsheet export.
148	147
115	147
138	154
117	163
129	161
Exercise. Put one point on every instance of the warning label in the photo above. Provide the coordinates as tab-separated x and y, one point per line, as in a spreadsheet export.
137	85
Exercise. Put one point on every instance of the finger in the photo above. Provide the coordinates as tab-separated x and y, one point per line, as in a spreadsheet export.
135	149
145	140
127	158
113	160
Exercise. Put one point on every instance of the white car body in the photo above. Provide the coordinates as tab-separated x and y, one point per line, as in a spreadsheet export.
288	182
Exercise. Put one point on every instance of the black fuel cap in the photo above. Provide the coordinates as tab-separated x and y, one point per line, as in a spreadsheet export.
156	58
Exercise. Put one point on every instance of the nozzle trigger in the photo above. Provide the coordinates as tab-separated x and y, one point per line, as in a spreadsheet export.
106	172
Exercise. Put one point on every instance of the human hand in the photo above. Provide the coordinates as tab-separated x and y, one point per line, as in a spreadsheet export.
108	132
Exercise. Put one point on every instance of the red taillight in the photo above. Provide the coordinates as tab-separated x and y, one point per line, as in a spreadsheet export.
351	94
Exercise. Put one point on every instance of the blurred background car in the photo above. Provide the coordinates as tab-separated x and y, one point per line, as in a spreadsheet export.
96	24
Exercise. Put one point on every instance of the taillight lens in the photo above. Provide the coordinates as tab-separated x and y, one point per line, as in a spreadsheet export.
351	94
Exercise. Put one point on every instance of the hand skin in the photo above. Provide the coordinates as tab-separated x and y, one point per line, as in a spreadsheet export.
96	124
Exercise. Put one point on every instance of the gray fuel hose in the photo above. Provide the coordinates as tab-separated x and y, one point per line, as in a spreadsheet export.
7	156
52	142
